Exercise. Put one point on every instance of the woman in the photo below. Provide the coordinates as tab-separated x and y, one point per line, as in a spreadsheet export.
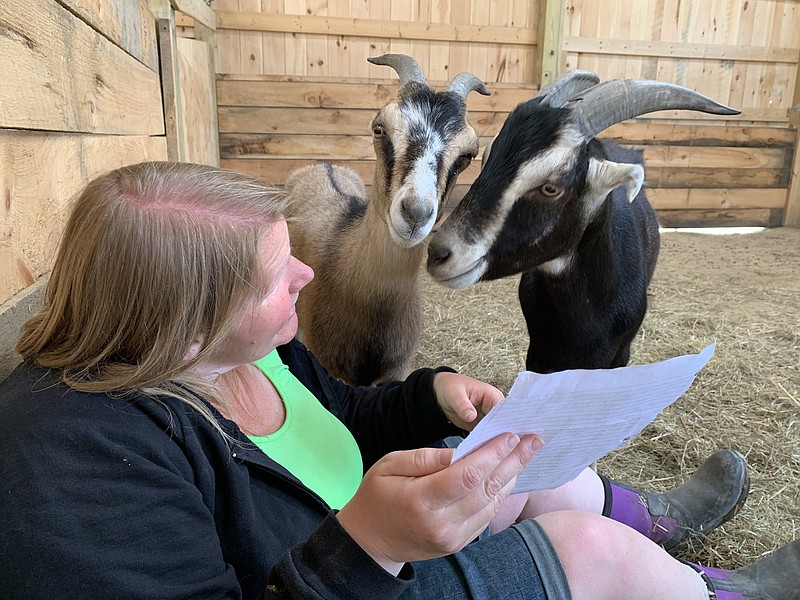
165	437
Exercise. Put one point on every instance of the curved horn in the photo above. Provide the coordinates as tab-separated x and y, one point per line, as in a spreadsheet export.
464	83
605	104
407	67
557	92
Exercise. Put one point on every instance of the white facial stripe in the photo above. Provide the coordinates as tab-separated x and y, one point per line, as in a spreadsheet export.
424	170
531	174
546	166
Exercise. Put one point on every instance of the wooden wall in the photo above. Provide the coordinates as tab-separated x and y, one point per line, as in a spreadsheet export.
80	94
294	85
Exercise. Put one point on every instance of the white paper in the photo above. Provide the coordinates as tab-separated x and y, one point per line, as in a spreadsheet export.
582	415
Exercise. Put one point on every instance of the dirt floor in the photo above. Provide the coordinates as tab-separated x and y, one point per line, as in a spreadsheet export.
742	291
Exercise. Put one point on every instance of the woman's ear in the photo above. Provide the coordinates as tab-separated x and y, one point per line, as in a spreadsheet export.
194	349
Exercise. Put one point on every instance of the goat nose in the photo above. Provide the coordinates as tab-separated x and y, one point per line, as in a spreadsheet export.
414	212
438	254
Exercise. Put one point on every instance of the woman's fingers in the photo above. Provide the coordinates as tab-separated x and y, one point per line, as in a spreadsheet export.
415	505
482	475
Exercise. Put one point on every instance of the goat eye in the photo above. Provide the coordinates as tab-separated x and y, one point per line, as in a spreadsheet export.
378	131
550	190
462	162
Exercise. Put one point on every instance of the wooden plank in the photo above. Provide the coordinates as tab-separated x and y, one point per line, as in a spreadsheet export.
756	217
91	93
379	79
198	10
715	178
716	199
170	84
714	157
326	121
251	43
550	46
317	147
278	170
229	57
376	28
792	215
640	132
198	106
39	173
626	47
331	147
303	94
332	94
127	23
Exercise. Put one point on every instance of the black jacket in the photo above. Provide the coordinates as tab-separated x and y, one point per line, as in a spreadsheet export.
104	497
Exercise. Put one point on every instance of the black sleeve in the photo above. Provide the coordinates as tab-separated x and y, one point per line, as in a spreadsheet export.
399	415
332	566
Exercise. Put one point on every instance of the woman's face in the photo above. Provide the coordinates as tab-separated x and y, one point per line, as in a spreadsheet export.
269	319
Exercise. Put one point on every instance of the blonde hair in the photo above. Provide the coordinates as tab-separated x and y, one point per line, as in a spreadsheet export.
153	257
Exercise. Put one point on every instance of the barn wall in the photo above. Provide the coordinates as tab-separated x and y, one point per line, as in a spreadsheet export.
294	85
80	94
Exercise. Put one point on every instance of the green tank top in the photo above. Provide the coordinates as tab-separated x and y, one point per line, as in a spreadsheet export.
312	444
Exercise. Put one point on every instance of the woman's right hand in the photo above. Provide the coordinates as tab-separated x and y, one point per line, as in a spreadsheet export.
415	505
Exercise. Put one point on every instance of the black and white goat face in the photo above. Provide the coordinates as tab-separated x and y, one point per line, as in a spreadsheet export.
422	143
544	178
540	185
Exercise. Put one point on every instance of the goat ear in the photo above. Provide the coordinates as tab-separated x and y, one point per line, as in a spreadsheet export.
606	175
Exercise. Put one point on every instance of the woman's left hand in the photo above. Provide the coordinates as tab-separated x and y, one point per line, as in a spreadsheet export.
464	400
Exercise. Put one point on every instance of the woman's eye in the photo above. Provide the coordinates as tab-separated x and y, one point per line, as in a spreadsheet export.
378	131
550	190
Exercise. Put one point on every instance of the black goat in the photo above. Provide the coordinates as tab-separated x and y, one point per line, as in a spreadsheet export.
568	212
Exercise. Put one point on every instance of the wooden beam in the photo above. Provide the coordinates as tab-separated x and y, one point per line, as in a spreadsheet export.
548	50
40	173
791	216
197	10
58	74
659	49
127	23
198	102
375	28
330	93
715	199
170	78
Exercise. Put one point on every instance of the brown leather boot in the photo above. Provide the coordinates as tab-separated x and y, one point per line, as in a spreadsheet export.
711	496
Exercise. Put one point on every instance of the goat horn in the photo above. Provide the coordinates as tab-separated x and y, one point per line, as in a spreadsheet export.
407	67
605	104
464	83
557	92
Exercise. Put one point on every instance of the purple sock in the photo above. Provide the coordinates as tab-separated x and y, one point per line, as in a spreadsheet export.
628	507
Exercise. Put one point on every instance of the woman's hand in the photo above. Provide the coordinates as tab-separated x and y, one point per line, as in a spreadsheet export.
415	505
464	400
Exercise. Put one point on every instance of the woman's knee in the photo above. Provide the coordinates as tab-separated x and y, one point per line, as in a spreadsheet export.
589	546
